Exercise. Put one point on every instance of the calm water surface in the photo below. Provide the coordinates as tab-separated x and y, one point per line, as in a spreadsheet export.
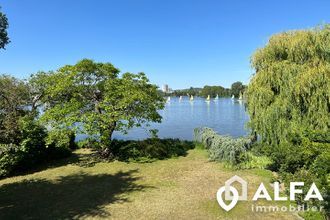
226	116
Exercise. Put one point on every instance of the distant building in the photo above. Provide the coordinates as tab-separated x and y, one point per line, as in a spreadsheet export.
165	88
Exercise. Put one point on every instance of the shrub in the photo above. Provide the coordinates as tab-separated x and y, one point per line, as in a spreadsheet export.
61	139
321	167
10	156
36	146
59	143
88	143
253	161
32	144
305	176
149	149
223	148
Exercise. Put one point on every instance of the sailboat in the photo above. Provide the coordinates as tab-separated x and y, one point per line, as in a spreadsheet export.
208	98
240	96
169	99
191	98
232	97
180	98
216	98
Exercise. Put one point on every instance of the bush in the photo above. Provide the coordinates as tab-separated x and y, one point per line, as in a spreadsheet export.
59	144
223	148
317	173
289	156
33	143
35	147
321	167
10	155
88	143
311	215
305	176
149	149
253	161
61	139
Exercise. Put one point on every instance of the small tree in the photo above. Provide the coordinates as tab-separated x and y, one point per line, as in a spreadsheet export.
4	39
92	99
237	88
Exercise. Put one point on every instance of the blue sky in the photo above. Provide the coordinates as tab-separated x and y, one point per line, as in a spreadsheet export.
178	42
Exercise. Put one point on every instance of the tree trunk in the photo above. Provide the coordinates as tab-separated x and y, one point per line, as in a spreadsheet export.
106	137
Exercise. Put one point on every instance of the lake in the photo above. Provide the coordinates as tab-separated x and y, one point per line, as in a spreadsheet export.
180	117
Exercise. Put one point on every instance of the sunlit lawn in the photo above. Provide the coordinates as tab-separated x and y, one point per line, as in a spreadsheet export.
178	188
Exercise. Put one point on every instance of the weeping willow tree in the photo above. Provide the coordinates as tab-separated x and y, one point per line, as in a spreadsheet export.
288	100
289	94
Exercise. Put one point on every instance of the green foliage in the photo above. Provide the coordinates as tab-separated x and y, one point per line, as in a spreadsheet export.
223	148
251	161
213	91
61	139
88	143
149	149
288	101
312	215
10	155
304	162
321	165
22	138
32	149
191	91
4	39
237	88
93	96
308	178
33	142
321	168
290	92
14	97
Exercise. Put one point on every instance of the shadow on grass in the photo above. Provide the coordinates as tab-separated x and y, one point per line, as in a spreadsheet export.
149	150
69	197
143	151
78	159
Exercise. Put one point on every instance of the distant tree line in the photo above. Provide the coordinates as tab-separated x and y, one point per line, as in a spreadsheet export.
236	89
213	91
184	92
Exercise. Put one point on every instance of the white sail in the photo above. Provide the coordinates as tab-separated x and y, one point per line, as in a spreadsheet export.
191	98
232	97
208	98
169	99
217	97
240	96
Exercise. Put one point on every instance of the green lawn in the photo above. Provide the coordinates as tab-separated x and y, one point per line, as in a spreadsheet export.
178	188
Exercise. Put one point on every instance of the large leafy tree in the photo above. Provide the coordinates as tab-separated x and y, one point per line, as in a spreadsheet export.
289	95
91	98
4	39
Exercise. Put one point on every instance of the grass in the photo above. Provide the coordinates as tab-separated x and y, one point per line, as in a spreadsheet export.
82	188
